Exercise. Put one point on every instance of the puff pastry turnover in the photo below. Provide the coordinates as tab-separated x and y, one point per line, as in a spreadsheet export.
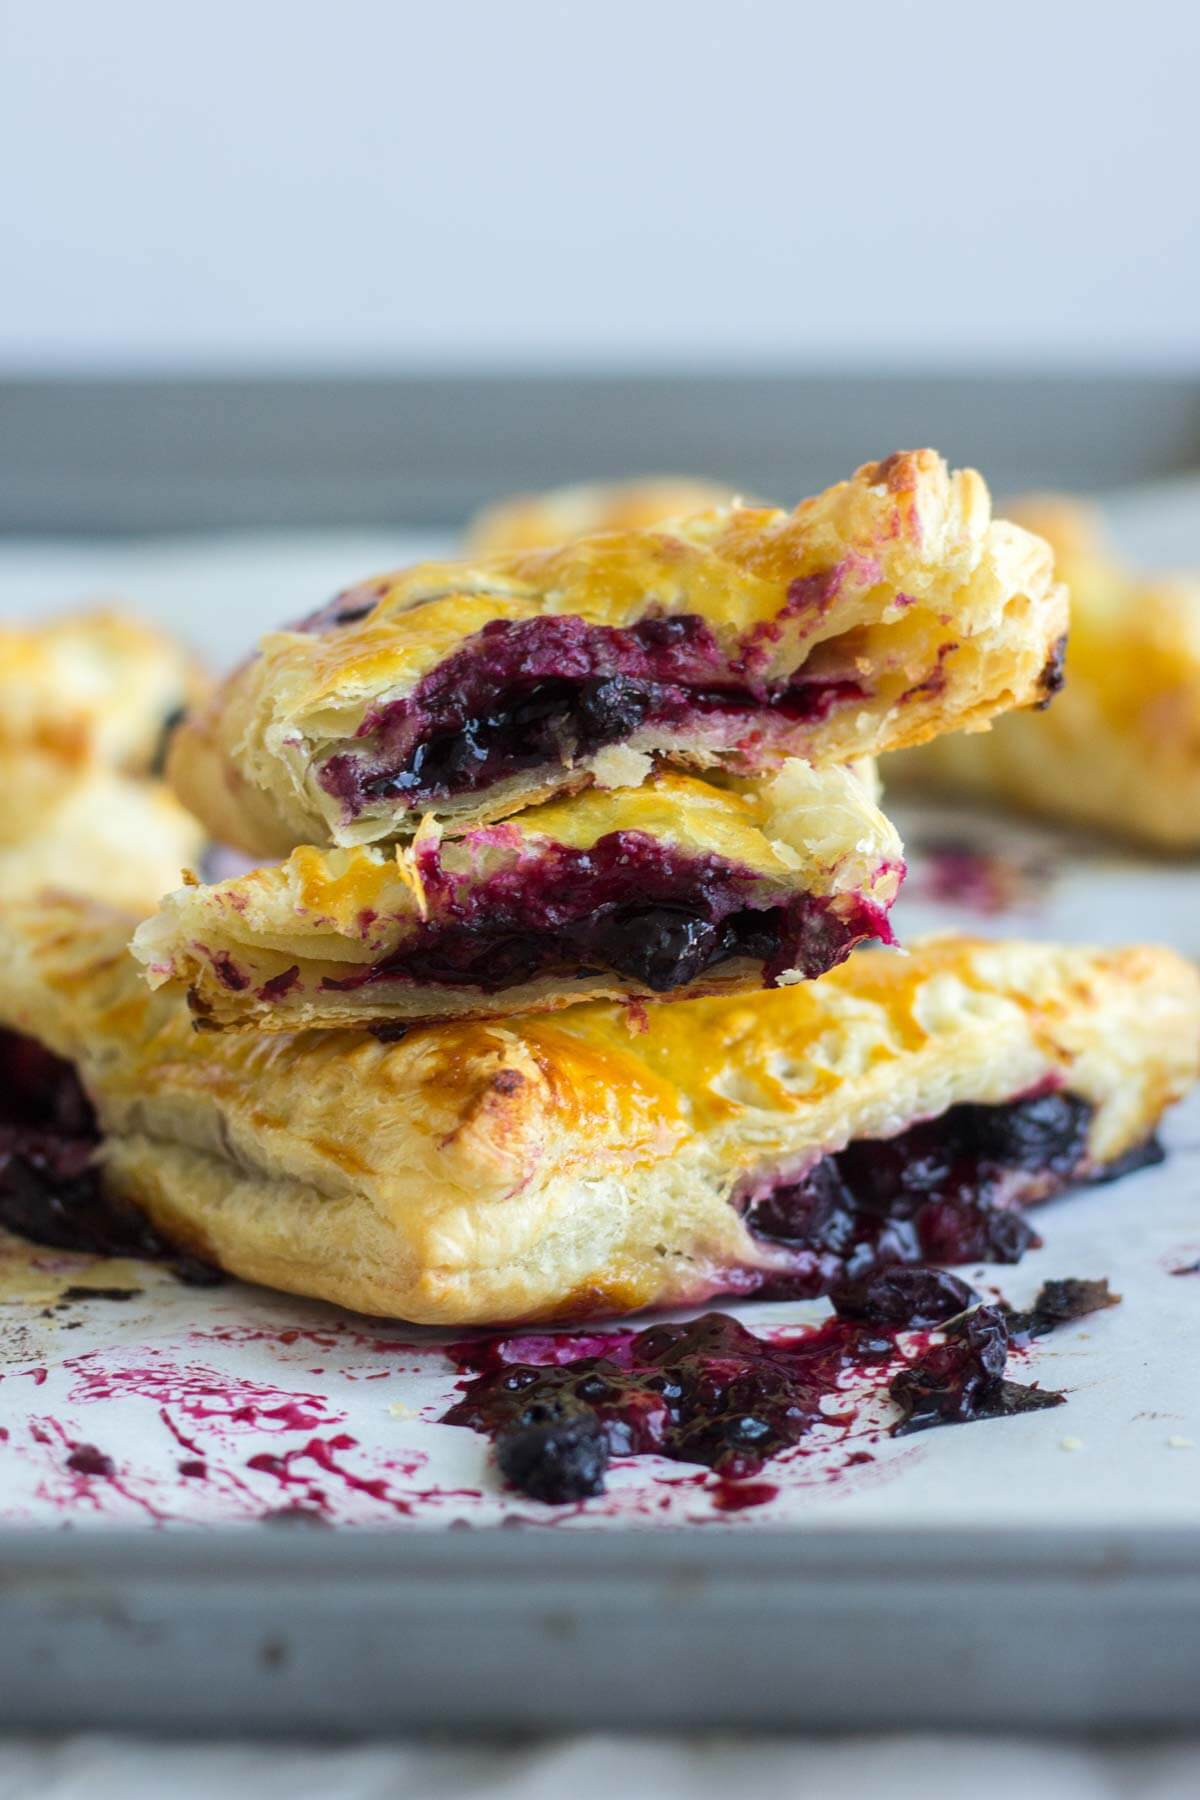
90	687
83	705
564	1165
890	608
121	839
527	521
1121	748
675	887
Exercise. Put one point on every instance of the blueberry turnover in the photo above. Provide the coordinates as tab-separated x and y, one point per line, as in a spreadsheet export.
671	889
888	609
791	1141
1121	749
84	704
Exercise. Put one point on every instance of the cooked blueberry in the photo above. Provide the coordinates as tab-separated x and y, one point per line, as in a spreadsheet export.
956	1381
1047	1132
610	708
662	946
556	1452
904	1297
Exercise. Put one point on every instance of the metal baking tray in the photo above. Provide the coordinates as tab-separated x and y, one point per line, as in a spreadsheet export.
1039	1571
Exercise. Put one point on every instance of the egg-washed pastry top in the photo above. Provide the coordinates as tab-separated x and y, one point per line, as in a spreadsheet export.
673	888
890	608
585	1163
529	521
1121	748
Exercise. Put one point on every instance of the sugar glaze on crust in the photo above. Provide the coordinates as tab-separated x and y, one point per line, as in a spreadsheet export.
888	609
673	889
582	1163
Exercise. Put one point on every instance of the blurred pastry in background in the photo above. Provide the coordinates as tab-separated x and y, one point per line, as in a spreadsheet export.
120	839
86	703
1120	747
531	521
95	686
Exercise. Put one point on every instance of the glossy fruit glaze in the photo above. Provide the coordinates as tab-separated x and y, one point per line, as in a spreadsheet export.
560	1406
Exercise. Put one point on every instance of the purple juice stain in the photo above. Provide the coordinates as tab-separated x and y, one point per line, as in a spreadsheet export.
713	1393
85	1459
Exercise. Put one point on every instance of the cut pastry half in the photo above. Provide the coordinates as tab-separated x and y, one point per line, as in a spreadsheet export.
889	609
674	888
1121	749
566	1166
529	521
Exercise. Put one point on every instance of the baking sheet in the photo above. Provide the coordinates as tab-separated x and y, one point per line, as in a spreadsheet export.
235	1404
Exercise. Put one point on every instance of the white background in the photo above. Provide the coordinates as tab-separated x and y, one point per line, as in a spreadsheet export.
285	184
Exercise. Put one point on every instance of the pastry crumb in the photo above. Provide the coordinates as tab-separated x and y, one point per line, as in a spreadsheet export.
398	1410
1070	1443
618	767
1180	1443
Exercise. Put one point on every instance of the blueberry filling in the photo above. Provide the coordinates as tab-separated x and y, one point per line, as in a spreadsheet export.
630	905
943	1191
50	1188
551	691
962	1379
710	1392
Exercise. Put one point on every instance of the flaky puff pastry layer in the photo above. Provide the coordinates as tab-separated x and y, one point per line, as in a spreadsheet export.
1120	749
570	1165
529	521
896	588
278	948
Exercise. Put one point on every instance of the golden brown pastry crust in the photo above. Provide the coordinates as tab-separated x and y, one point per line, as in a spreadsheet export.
573	1164
529	521
898	580
1120	748
278	949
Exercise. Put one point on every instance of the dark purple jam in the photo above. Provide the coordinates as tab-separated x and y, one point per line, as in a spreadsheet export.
946	1190
629	904
50	1189
962	1380
529	693
706	1392
560	1406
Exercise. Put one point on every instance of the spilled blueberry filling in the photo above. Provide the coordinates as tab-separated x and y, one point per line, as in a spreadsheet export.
710	1392
530	693
629	905
50	1188
943	1191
